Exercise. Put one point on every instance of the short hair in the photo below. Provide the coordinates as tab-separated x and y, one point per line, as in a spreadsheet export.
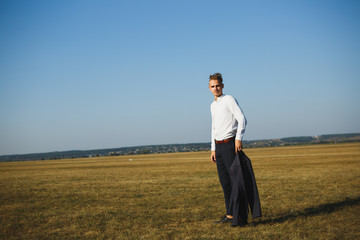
216	76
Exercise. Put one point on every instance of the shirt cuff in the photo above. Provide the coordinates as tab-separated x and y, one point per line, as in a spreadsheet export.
213	145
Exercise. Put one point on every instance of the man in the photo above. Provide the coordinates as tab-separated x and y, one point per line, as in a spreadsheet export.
228	128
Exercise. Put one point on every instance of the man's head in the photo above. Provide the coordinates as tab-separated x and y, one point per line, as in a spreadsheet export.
216	85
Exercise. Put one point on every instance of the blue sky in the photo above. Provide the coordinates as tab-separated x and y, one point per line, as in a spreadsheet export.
102	74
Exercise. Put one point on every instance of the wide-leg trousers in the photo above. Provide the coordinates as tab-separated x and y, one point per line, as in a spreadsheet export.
225	156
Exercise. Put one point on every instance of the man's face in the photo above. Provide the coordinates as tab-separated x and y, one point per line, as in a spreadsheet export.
216	87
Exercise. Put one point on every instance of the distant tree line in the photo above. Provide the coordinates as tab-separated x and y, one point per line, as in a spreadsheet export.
171	148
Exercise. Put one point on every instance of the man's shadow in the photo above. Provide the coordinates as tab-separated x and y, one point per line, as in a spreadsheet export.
312	211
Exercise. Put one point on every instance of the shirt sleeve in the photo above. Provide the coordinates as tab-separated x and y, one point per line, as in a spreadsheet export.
212	132
239	116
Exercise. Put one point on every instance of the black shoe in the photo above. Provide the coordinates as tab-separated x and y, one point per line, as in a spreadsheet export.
225	219
239	225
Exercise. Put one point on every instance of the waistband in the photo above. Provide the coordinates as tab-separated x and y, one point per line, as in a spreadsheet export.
225	140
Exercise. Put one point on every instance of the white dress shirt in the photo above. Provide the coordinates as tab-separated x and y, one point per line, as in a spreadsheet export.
228	120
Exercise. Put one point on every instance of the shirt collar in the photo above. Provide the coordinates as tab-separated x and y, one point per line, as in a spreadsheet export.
219	98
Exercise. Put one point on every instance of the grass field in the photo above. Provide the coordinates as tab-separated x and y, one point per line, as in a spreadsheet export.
306	192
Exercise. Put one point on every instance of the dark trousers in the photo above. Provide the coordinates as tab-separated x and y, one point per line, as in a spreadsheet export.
225	156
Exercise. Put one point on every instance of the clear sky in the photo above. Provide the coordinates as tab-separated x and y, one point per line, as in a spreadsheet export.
85	74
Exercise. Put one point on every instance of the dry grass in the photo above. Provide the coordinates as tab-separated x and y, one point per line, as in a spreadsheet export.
307	192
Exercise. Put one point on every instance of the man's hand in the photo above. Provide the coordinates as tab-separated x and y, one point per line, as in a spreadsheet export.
238	146
213	157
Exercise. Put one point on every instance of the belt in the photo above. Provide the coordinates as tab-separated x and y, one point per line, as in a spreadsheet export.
225	140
